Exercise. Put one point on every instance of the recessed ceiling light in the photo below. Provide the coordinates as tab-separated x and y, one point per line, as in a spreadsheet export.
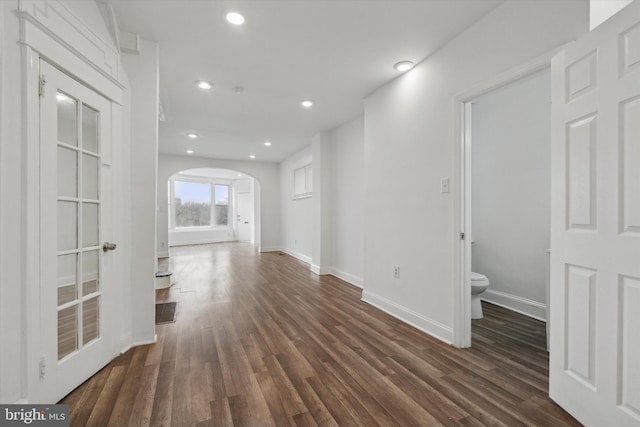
234	18
203	84
403	66
189	151
252	156
192	135
306	103
267	143
239	174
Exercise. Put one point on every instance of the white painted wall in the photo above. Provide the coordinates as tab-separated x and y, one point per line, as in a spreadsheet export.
12	327
511	192
321	257
347	207
142	71
266	194
601	10
297	214
409	146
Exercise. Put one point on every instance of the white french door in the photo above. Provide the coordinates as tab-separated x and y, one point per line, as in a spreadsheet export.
595	236
76	291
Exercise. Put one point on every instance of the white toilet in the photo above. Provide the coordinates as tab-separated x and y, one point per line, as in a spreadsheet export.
479	284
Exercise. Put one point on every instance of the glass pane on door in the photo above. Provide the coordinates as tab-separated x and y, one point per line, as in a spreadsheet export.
67	225
89	177
90	320
67	331
67	172
90	272
67	272
89	129
67	119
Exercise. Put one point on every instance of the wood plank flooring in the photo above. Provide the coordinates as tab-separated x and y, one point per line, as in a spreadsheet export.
261	341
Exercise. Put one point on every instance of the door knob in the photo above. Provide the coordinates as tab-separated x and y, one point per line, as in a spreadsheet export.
107	246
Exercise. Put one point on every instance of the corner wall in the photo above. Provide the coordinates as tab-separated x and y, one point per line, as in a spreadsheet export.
347	206
409	146
297	214
142	71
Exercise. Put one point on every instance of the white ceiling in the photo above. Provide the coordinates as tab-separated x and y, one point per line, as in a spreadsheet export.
335	52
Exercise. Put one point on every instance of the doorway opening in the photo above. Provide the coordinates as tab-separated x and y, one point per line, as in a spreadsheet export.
505	199
211	205
206	206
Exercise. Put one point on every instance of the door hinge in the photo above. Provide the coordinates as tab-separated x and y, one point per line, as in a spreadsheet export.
42	85
43	367
462	236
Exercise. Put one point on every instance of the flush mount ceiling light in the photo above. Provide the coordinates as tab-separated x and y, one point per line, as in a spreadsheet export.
239	174
403	66
267	143
192	135
306	103
204	85
252	156
234	18
189	151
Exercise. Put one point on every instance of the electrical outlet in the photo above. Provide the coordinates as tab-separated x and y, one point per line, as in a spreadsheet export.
444	185
396	271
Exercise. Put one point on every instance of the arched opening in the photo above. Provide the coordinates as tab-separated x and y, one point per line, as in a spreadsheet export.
211	205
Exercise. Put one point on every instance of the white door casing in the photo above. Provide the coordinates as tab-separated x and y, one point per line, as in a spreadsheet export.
76	276
243	216
595	235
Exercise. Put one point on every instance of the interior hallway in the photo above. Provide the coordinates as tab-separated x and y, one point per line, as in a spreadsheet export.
260	340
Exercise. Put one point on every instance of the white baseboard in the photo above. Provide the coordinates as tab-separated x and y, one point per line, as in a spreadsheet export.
298	255
145	342
418	321
200	242
521	305
320	271
348	277
270	249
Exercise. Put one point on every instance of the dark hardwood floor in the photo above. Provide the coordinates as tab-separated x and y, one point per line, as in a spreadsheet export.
261	341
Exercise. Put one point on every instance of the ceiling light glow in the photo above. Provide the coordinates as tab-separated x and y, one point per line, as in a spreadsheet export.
189	151
306	103
403	66
252	156
61	97
234	18
192	135
204	85
267	143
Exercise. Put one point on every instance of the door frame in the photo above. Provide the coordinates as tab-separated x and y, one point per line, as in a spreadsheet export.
462	190
38	41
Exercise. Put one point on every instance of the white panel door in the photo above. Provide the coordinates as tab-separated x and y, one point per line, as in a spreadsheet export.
595	236
76	292
243	216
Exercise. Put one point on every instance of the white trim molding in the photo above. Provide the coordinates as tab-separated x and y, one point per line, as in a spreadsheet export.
302	257
417	320
530	308
348	277
320	271
270	249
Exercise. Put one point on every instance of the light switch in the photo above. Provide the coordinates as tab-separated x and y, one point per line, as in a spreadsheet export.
444	185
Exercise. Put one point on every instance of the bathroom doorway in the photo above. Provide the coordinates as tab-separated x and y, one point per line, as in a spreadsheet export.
506	196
